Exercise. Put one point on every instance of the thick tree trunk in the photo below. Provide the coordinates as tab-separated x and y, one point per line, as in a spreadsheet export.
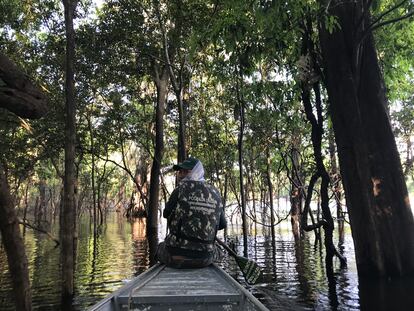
14	246
376	194
69	212
18	94
162	90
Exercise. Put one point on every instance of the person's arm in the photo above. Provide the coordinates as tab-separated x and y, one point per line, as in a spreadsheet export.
223	222
171	204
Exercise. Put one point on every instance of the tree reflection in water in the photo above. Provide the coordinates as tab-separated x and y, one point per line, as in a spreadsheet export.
294	272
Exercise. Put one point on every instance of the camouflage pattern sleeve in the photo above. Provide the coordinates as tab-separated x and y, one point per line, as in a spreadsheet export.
171	204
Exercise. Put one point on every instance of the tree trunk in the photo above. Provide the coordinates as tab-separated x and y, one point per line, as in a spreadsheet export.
270	187
26	203
18	94
14	246
94	190
308	84
241	179
162	90
170	50
182	154
376	194
42	203
21	97
335	176
68	217
296	193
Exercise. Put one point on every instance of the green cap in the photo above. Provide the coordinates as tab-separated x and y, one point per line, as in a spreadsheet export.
187	164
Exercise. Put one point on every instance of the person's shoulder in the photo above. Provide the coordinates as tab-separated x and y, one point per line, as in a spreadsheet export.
187	184
212	188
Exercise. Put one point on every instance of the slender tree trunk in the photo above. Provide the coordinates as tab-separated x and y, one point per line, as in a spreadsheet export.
309	83
95	220
252	187
42	203
376	194
226	186
182	154
26	202
69	212
272	211
14	246
335	175
177	82
241	179
161	81
296	193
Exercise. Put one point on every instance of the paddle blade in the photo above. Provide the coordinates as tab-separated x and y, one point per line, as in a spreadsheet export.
251	271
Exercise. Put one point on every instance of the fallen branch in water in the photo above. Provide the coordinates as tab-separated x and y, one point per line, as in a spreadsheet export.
33	227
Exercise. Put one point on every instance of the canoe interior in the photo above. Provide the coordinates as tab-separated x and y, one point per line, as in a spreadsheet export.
163	288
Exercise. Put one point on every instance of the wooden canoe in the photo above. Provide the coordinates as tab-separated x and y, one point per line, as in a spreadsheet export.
163	288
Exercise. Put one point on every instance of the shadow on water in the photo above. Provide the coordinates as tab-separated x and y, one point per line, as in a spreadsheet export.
383	295
294	276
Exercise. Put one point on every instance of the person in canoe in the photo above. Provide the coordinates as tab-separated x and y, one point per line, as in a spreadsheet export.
195	213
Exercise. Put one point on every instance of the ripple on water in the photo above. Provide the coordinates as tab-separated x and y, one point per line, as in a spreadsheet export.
293	275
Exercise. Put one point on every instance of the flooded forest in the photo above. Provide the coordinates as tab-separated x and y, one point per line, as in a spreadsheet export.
301	113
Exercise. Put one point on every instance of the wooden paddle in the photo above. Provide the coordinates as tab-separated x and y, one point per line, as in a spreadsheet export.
251	270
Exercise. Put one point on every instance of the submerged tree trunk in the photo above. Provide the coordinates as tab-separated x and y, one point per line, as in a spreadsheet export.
20	96
14	246
161	81
94	194
69	213
376	194
296	193
308	83
42	203
270	187
241	170
335	176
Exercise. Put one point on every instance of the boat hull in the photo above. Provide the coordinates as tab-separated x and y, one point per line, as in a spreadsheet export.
163	288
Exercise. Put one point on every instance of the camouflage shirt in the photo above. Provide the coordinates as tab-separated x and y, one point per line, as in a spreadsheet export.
194	213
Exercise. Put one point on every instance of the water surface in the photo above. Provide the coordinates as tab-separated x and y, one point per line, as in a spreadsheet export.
294	273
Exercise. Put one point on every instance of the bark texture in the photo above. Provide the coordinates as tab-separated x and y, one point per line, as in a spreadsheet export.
69	206
17	93
376	193
14	246
20	96
161	81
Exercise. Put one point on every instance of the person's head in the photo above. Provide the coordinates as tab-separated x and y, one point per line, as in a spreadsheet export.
185	168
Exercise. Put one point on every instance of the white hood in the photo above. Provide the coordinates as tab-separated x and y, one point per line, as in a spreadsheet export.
197	173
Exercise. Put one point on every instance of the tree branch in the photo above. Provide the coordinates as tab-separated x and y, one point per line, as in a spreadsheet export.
17	93
386	13
29	225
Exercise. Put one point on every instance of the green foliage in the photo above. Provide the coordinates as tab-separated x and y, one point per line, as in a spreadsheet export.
331	23
223	52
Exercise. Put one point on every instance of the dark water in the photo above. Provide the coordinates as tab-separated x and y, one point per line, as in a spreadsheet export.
294	276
